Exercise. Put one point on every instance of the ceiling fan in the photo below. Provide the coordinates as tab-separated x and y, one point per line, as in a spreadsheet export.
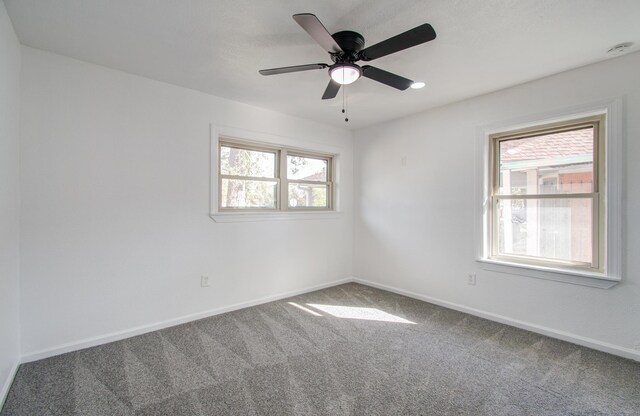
346	48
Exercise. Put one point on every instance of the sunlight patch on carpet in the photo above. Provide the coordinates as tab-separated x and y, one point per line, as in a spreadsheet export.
353	312
314	313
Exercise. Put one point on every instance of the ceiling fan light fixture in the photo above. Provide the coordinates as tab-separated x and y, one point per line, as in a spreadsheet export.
345	73
346	47
417	85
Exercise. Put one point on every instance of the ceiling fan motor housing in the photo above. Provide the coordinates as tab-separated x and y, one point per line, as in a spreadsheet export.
351	43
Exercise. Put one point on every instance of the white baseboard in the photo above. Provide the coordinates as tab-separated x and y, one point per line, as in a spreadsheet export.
143	329
119	335
553	333
7	383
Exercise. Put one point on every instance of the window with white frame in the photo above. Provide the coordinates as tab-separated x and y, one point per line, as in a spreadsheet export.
546	197
257	177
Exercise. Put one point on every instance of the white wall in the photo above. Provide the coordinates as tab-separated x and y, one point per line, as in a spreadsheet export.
9	200
115	225
414	225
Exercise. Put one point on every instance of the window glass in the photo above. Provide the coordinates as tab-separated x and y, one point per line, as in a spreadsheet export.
550	228
547	164
305	195
245	162
239	193
306	168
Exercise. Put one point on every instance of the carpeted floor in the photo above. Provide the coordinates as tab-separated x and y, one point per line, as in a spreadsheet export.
346	350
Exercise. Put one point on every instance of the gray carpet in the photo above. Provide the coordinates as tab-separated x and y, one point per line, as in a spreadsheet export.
399	357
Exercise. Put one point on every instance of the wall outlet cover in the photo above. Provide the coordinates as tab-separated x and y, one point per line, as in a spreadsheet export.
471	279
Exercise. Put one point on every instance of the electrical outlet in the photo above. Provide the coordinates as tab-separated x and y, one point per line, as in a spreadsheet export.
204	281
471	279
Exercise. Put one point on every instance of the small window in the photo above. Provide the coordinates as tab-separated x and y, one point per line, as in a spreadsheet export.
269	178
308	182
546	195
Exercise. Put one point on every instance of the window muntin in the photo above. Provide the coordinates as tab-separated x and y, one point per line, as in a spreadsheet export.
546	207
269	178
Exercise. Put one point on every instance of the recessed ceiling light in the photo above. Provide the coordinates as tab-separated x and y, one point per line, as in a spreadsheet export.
417	85
620	48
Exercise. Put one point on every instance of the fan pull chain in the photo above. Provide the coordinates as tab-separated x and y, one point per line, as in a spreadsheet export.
344	104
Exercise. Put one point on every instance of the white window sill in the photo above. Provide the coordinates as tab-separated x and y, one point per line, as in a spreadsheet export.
576	277
273	216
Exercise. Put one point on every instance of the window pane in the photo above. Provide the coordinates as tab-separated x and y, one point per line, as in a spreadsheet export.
551	163
303	195
243	162
238	193
558	229
306	169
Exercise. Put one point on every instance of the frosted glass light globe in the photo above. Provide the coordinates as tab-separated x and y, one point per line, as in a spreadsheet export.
345	74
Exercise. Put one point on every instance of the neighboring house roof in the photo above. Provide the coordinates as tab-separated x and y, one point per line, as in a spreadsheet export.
576	144
318	176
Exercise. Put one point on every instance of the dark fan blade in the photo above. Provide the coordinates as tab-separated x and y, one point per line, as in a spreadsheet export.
331	91
297	68
310	23
416	36
387	78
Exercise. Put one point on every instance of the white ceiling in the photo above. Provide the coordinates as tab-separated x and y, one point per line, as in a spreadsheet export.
217	46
